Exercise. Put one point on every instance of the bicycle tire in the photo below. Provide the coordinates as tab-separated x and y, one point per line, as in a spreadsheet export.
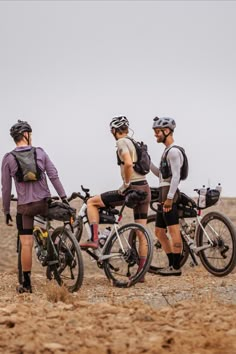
69	271
160	259
122	270
222	232
78	228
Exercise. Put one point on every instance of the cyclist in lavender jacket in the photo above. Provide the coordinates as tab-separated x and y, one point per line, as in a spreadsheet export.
32	195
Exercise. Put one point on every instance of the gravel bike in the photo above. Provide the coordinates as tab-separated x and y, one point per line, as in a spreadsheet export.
56	248
115	255
210	237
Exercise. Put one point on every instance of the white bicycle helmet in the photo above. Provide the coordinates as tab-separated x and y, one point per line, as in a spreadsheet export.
118	122
162	123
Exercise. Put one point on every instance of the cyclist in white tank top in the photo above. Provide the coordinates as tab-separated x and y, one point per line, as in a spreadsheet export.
131	180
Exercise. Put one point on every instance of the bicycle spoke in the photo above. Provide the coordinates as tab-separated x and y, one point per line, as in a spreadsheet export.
70	265
219	259
124	269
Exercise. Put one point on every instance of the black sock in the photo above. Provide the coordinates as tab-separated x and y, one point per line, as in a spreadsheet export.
170	258
176	260
27	281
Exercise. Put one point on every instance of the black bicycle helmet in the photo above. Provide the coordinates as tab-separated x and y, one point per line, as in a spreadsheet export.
19	128
118	122
162	123
133	197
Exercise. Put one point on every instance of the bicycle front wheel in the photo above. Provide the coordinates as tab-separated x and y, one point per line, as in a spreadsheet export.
160	259
69	269
218	235
78	228
130	251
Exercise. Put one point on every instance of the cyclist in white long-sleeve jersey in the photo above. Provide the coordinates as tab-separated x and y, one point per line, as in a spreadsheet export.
169	173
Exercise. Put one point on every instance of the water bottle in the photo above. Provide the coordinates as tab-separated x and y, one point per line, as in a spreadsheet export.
202	197
103	236
219	188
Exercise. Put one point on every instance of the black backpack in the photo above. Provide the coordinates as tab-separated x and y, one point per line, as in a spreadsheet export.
164	167
142	165
28	170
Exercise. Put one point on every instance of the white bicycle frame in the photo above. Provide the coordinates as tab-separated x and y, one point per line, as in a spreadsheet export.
114	229
191	242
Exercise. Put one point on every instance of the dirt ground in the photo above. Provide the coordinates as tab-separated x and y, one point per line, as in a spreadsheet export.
194	313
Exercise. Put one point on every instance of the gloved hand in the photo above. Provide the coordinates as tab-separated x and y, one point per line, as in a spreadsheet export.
123	188
8	218
64	200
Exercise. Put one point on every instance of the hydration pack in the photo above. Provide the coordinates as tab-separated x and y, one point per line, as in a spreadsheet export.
142	165
28	170
165	168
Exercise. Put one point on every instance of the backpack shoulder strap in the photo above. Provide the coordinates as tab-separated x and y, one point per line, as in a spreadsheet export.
176	146
19	173
119	162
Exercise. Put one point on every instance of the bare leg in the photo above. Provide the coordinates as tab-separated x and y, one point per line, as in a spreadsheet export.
164	240
142	241
176	238
142	247
93	205
26	252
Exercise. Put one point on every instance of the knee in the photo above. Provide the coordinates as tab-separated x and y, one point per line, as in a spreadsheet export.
91	201
94	201
26	241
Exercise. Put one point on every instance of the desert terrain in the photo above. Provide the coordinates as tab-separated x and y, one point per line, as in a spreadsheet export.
194	313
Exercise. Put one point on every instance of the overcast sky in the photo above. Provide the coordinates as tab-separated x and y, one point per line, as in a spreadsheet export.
68	67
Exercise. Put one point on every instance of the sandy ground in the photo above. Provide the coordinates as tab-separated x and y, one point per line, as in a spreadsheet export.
194	313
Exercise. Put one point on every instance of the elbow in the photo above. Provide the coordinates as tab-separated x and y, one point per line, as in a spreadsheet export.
129	165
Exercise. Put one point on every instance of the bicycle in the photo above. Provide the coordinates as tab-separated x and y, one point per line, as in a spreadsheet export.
115	255
56	248
210	237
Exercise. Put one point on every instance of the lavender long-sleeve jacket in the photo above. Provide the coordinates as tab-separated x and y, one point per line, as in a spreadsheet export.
28	192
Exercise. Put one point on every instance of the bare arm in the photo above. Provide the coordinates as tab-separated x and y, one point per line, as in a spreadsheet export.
128	167
154	169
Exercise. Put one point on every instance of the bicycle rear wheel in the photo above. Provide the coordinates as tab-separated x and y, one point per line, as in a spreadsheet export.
123	267
160	259
78	228
69	269
220	258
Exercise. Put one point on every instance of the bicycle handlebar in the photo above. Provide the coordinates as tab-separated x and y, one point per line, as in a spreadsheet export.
75	195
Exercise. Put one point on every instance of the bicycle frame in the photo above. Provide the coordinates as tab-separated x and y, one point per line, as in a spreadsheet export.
99	253
48	226
185	230
189	240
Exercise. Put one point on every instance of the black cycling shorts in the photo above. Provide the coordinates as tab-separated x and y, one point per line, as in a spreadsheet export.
167	219
113	199
25	216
